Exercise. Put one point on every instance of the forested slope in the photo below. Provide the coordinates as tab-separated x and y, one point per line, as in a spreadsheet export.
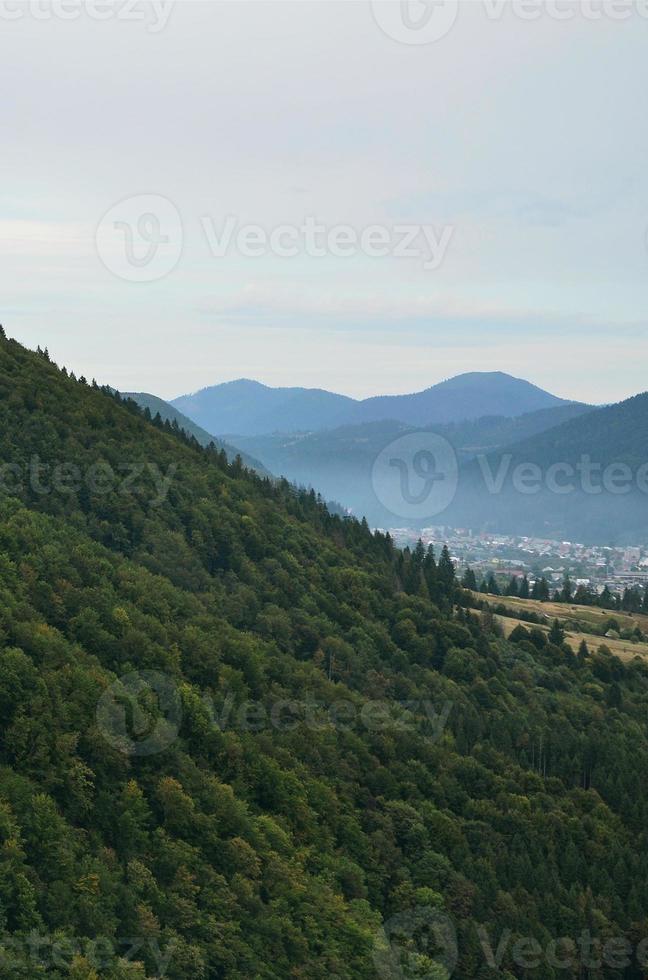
334	745
167	412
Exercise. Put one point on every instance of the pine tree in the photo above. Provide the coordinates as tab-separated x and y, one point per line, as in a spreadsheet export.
430	573
469	580
519	634
632	600
583	596
606	599
492	587
512	588
613	696
524	588
556	634
418	554
567	590
447	579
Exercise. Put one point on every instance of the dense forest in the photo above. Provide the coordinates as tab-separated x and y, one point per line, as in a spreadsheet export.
243	737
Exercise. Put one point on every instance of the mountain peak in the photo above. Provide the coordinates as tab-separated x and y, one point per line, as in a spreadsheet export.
486	378
249	408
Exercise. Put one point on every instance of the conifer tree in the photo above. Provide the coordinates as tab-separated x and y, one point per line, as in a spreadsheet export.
492	586
556	634
430	573
582	596
567	590
469	580
447	579
606	599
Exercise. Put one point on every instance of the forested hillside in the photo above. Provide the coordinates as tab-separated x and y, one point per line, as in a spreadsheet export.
328	751
167	412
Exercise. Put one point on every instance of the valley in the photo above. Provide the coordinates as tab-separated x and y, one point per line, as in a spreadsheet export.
549	469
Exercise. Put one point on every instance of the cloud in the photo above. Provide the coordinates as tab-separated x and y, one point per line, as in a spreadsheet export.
269	305
42	238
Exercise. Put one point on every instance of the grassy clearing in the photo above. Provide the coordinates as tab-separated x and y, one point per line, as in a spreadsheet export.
580	623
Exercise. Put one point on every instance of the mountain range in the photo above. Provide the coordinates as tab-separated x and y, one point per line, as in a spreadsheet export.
506	422
250	408
340	464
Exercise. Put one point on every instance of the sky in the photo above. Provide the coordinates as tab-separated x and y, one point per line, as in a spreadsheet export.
365	197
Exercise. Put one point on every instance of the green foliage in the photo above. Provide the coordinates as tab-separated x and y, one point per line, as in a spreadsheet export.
350	745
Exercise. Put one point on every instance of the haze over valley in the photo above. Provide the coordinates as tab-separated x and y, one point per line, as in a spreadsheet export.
496	426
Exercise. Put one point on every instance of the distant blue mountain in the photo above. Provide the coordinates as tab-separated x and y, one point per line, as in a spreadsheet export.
249	408
609	505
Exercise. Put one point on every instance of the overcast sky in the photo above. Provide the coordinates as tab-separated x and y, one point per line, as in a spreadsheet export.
516	143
